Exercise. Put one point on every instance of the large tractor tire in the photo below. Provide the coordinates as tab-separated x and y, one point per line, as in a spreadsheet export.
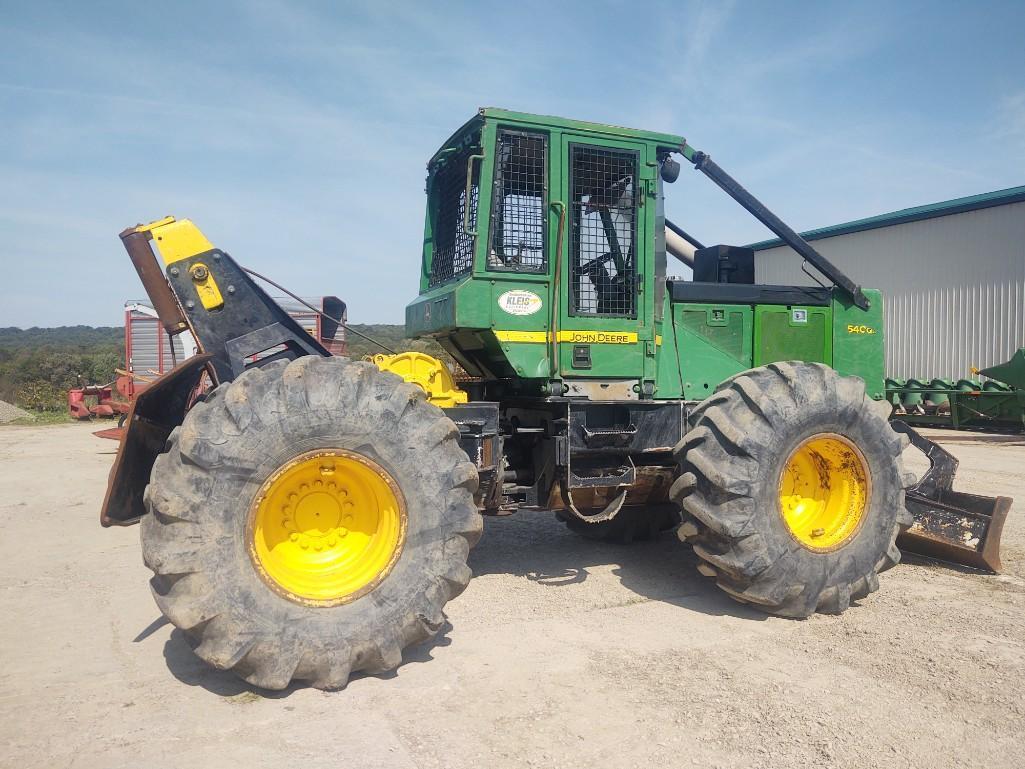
633	523
309	520
792	489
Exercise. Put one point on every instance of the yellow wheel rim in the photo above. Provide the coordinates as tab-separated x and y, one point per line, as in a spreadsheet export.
326	527
824	491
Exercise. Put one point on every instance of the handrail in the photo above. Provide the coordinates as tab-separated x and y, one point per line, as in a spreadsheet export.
553	363
466	199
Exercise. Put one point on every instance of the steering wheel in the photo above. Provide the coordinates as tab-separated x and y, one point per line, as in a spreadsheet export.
598	261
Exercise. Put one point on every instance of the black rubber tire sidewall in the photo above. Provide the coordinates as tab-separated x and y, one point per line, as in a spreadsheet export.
232	442
862	551
731	464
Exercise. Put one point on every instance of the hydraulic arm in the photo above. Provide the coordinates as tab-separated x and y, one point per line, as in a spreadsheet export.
735	190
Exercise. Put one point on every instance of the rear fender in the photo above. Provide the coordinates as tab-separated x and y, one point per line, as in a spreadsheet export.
155	412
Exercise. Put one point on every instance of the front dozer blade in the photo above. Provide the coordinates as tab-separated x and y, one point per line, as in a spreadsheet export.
951	525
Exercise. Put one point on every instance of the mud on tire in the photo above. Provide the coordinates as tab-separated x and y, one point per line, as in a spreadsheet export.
202	486
731	463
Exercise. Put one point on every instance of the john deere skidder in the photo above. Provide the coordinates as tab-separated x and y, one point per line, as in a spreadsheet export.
309	516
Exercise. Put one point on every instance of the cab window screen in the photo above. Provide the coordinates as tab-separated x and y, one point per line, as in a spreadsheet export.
518	211
452	253
603	194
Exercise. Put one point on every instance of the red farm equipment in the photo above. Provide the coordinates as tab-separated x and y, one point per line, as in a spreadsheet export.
151	353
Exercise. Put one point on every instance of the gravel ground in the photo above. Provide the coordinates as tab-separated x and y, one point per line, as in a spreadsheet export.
561	653
9	412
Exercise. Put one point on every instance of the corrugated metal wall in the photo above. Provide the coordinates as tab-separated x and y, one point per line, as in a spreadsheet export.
954	286
147	336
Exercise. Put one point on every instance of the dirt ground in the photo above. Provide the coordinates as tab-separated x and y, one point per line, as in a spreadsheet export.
561	653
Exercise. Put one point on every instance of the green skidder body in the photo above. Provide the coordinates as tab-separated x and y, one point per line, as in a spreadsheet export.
631	401
556	272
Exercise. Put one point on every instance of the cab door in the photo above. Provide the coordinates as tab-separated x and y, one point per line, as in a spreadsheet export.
605	319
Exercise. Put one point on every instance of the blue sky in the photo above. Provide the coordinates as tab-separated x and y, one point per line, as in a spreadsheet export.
295	134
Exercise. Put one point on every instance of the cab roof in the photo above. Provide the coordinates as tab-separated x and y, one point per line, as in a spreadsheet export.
669	142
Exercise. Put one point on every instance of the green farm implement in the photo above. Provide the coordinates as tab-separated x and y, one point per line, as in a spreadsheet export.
999	404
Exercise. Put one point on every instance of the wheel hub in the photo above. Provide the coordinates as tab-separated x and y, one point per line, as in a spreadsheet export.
326	527
824	492
318	514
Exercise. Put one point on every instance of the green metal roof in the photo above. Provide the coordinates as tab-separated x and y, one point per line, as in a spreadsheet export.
918	213
670	142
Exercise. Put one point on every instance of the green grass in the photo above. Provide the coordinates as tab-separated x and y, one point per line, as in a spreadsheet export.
45	418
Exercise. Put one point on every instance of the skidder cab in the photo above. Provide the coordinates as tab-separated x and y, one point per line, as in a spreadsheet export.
310	516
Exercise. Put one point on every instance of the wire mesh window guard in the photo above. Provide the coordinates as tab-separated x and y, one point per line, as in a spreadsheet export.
452	252
603	229
518	208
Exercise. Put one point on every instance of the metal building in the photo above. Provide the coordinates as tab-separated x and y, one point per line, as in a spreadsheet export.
149	352
952	276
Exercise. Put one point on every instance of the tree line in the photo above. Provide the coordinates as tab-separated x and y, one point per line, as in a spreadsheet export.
39	365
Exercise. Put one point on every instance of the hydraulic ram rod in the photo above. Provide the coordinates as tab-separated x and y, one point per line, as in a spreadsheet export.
137	244
680	244
733	188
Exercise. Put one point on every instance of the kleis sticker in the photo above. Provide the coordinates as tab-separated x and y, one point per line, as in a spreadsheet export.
519	302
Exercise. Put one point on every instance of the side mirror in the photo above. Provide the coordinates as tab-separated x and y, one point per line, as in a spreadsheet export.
670	170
